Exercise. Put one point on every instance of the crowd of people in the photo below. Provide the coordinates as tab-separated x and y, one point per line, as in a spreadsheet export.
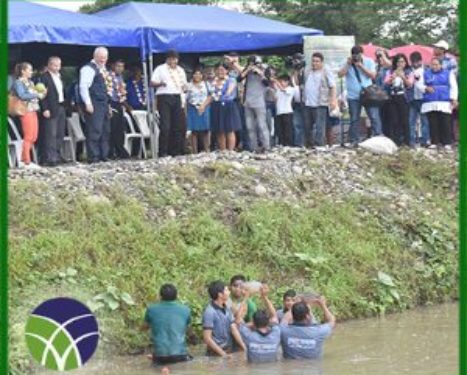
232	322
235	107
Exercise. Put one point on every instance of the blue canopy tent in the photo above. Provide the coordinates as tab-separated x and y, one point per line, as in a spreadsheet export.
204	29
37	31
34	23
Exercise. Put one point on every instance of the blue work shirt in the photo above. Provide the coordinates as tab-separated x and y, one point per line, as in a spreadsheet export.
353	86
304	341
261	347
219	321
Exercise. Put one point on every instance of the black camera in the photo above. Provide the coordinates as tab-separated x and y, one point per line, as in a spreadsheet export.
296	61
356	58
254	60
269	72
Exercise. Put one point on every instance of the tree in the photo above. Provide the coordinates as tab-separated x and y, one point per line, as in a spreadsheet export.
387	22
104	4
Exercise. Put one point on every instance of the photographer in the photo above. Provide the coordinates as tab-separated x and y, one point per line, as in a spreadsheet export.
297	64
255	103
359	73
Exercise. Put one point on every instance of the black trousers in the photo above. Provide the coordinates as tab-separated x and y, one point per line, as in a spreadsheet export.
51	134
283	125
398	117
117	132
98	132
172	127
171	359
440	128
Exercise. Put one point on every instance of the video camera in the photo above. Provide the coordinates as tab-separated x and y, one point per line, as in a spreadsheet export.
296	61
257	62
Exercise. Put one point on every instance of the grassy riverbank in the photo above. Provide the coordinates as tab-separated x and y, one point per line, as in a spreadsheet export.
374	234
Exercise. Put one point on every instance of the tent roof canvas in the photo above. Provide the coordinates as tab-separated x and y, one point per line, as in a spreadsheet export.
197	28
29	22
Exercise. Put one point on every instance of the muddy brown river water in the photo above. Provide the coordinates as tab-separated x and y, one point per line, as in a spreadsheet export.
421	341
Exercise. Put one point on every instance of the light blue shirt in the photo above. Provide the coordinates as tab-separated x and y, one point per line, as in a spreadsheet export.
304	341
86	76
351	81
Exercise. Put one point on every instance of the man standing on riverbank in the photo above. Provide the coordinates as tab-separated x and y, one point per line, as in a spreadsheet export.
301	339
168	321
94	80
219	327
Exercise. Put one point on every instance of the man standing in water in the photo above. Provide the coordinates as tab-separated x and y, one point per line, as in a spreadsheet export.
237	298
262	338
301	339
168	321
219	327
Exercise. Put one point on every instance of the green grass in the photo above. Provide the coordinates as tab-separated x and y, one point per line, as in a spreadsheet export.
334	246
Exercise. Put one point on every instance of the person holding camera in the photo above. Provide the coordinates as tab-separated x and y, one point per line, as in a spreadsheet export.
383	65
399	79
255	104
359	73
296	63
320	96
415	104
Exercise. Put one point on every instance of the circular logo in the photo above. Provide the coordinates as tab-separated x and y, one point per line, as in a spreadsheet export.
62	334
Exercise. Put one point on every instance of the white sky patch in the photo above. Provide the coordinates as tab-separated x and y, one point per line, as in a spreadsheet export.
74	5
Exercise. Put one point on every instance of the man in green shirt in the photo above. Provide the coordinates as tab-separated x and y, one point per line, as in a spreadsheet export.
168	321
236	298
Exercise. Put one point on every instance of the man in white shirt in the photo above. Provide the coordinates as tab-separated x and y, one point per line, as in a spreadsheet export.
415	104
170	82
95	85
320	94
53	119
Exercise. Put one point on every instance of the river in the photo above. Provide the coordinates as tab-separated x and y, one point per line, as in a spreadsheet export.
420	341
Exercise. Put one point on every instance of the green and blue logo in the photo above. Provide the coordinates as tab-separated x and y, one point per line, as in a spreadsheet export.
62	334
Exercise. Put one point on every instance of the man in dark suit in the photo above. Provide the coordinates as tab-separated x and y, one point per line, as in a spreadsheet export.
53	113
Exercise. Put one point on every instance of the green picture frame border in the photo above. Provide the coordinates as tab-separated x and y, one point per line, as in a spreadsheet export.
4	191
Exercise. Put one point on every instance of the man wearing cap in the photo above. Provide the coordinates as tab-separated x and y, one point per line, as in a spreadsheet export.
170	82
448	62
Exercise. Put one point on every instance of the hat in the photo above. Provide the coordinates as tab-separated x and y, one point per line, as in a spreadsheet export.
442	44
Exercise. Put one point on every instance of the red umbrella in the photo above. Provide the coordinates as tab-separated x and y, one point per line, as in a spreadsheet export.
425	51
369	50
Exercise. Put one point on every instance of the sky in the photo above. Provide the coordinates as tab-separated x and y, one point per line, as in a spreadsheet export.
74	5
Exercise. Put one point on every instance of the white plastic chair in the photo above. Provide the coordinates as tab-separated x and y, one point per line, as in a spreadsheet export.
18	142
142	120
12	160
75	131
132	136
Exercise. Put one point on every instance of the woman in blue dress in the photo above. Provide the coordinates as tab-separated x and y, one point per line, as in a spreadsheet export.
198	99
225	116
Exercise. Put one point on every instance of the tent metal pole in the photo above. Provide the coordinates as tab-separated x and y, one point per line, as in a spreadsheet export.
156	138
148	106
